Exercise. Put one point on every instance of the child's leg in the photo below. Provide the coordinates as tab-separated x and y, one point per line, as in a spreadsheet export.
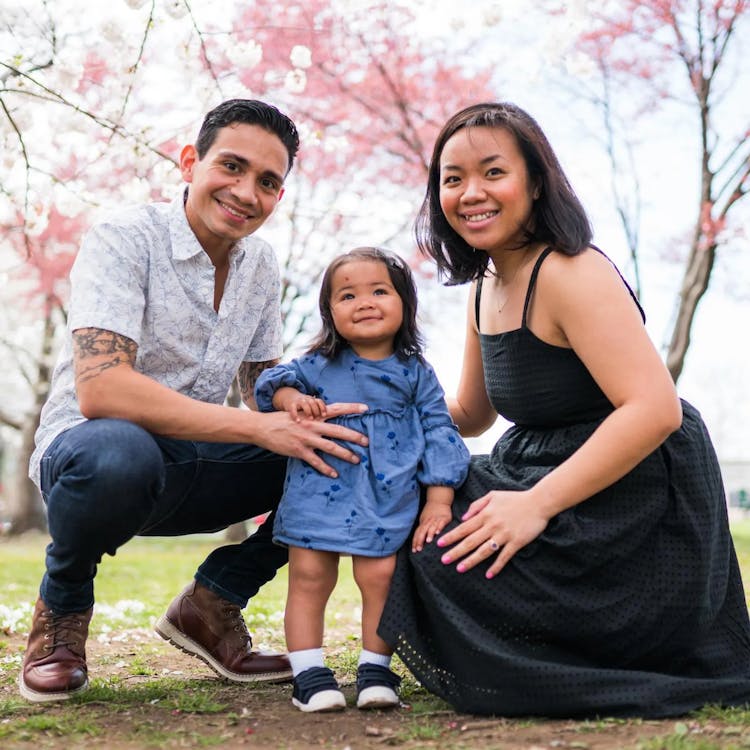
312	576
373	577
376	684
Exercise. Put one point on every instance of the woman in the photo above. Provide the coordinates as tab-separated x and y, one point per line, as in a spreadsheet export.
589	567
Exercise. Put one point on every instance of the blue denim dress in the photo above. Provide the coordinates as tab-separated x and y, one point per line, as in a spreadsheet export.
369	509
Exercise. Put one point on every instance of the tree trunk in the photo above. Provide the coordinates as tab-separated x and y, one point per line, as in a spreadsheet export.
26	509
26	505
694	285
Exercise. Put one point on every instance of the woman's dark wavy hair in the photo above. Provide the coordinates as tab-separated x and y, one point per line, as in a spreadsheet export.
408	340
557	217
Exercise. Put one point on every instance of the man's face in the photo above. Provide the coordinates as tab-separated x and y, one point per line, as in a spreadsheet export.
235	186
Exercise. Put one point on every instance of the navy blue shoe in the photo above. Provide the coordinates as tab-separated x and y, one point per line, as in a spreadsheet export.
316	689
376	687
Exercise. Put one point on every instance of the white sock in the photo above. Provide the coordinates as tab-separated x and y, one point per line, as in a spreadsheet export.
370	657
302	660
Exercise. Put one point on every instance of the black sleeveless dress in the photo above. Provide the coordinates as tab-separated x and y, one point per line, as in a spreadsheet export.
628	604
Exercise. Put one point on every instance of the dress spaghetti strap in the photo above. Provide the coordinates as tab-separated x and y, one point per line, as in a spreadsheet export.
532	282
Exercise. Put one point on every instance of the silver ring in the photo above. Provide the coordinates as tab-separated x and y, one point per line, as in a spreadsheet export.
494	546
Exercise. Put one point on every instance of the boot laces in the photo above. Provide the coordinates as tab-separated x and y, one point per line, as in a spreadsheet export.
233	614
61	629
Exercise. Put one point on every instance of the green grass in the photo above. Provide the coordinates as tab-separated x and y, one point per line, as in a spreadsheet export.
134	588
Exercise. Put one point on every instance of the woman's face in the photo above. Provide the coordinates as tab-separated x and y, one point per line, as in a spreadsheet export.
485	191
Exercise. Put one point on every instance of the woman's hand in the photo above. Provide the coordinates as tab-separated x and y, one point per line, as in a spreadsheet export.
500	522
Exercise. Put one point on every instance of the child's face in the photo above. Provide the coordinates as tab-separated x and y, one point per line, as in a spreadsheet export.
366	309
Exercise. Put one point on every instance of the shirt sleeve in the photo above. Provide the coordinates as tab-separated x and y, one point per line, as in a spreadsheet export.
445	461
267	342
286	375
108	282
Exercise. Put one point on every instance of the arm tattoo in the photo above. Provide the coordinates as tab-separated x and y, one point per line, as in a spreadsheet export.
248	375
96	350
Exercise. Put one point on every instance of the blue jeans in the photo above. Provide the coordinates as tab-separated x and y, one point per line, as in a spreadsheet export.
107	480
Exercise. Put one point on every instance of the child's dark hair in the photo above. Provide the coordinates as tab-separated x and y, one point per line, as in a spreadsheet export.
248	112
408	340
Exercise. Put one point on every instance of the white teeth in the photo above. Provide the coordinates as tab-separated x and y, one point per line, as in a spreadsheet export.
480	217
233	212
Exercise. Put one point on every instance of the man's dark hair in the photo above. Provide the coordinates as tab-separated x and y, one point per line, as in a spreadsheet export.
249	112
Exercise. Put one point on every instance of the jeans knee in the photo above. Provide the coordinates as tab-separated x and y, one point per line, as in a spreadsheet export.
110	456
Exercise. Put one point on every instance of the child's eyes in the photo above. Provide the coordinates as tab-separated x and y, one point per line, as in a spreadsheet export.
380	291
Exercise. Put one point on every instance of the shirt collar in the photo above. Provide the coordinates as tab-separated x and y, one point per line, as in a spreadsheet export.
185	244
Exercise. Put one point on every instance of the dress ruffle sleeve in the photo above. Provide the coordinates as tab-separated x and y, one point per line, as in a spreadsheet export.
281	376
445	461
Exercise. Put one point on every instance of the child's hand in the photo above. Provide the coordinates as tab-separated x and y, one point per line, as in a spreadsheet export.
302	407
433	519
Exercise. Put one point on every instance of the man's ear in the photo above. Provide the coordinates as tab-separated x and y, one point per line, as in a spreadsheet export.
188	158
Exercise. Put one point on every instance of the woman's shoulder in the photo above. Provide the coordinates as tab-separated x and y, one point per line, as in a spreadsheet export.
588	269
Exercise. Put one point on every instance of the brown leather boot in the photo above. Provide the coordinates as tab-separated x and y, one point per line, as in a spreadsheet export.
54	666
203	624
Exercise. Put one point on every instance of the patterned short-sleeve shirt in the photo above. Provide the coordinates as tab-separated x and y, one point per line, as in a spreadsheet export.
143	274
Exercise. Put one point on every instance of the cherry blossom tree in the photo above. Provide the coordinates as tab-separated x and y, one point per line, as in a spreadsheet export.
652	54
94	106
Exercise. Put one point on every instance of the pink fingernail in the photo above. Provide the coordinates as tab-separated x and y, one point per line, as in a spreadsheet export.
488	574
460	567
445	559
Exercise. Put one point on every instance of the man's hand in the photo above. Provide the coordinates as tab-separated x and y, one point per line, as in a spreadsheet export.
301	439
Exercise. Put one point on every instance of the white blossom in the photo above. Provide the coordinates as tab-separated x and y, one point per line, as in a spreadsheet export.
66	201
295	81
176	8
300	56
135	4
111	31
245	55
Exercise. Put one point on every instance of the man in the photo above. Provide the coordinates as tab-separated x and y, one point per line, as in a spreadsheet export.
168	303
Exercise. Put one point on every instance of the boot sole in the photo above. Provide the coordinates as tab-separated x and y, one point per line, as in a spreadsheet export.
34	696
177	638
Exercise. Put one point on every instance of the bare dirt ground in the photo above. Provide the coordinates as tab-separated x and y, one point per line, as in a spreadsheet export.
230	716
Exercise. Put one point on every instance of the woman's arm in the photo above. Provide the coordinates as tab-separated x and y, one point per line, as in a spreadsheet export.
471	409
580	302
